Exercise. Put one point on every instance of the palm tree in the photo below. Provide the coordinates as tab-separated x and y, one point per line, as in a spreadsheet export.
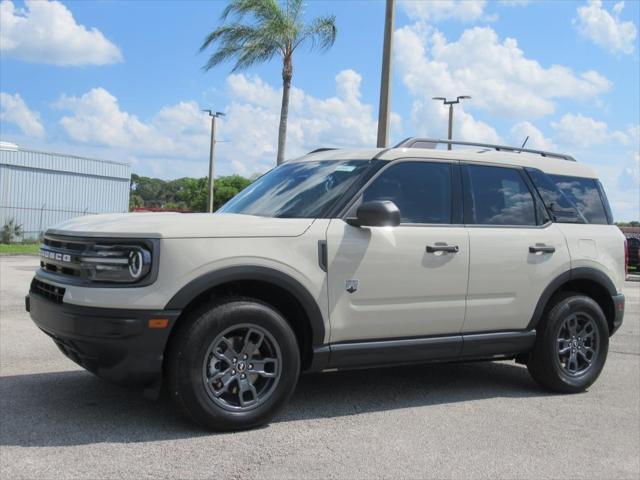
260	30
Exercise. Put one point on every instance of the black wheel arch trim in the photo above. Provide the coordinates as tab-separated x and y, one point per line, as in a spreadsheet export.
275	277
578	273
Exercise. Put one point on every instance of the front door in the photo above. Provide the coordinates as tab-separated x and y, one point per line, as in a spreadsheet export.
397	282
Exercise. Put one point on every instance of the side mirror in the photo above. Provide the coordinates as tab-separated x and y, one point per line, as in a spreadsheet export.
376	214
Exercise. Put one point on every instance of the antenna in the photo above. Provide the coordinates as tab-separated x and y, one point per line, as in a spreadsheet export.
524	143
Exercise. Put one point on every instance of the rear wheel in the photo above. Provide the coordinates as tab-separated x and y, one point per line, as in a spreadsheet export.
234	365
571	346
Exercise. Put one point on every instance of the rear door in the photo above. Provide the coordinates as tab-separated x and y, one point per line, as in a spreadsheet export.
394	282
515	250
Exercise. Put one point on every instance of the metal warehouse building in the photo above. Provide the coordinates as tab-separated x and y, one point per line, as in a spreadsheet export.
40	189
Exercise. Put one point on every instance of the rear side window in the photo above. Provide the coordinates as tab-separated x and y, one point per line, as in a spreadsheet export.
499	196
421	190
563	209
605	202
585	195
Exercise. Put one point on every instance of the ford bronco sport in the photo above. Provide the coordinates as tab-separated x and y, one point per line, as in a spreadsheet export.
343	259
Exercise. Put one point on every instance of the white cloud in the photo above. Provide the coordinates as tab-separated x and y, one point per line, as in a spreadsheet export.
606	29
430	119
629	178
14	110
96	118
501	79
46	32
619	172
435	10
580	131
521	130
461	10
252	120
247	134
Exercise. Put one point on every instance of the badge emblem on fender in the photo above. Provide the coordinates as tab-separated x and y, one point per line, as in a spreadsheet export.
352	285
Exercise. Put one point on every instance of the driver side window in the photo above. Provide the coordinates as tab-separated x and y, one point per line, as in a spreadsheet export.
421	190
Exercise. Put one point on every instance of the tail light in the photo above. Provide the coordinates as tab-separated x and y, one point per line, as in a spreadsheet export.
626	256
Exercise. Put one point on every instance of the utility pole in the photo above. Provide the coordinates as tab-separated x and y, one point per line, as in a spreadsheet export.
451	103
385	78
213	116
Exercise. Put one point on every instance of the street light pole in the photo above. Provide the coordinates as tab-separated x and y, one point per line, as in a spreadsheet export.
385	78
451	103
213	116
450	134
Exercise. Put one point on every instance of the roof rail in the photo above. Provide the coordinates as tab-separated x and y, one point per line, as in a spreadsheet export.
323	149
417	142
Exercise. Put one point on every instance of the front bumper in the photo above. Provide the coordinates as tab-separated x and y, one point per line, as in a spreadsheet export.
119	345
618	308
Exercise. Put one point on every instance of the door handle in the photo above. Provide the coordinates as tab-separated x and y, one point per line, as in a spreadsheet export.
442	248
541	248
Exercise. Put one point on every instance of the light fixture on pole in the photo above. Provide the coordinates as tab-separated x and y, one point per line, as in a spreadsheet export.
213	116
451	103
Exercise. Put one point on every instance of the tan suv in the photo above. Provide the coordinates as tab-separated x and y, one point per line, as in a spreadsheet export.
343	259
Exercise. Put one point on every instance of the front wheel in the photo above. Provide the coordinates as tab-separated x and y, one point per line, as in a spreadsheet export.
572	345
234	365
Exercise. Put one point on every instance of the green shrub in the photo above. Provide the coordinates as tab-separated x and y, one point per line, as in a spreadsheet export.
11	231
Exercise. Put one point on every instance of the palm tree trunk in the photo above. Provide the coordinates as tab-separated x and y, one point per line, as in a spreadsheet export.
287	74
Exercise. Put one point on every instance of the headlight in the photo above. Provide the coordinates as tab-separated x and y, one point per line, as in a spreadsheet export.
116	263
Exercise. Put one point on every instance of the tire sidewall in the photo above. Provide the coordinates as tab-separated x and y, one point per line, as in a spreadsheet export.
566	307
211	323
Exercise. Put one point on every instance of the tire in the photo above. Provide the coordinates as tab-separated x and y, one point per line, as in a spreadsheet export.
225	386
568	356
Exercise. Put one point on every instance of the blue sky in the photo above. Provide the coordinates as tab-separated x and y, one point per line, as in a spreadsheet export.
122	80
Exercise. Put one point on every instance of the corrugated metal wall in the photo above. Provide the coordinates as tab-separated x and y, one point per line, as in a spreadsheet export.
40	189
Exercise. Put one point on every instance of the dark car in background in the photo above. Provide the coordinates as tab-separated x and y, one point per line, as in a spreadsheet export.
633	252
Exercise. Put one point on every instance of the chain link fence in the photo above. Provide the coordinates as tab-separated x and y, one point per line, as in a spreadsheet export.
34	221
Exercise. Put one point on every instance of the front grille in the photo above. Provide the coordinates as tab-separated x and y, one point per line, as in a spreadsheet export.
52	267
93	261
50	292
72	245
62	256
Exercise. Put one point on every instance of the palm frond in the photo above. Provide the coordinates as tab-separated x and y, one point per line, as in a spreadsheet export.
261	10
247	44
257	30
235	32
321	32
294	9
254	54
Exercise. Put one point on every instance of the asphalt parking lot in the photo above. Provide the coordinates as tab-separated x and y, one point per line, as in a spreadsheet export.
474	420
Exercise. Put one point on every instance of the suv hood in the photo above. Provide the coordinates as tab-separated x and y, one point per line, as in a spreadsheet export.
180	225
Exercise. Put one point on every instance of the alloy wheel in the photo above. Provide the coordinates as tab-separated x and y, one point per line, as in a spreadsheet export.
578	344
242	367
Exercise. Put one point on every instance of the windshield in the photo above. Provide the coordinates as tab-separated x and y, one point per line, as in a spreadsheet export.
301	189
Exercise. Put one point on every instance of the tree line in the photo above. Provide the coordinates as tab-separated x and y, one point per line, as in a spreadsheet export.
188	194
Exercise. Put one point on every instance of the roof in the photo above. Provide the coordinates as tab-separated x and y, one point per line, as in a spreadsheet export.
548	164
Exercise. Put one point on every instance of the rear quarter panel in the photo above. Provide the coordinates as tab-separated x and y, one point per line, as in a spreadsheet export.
597	246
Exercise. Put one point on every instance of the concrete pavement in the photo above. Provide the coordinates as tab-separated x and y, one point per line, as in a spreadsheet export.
474	420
